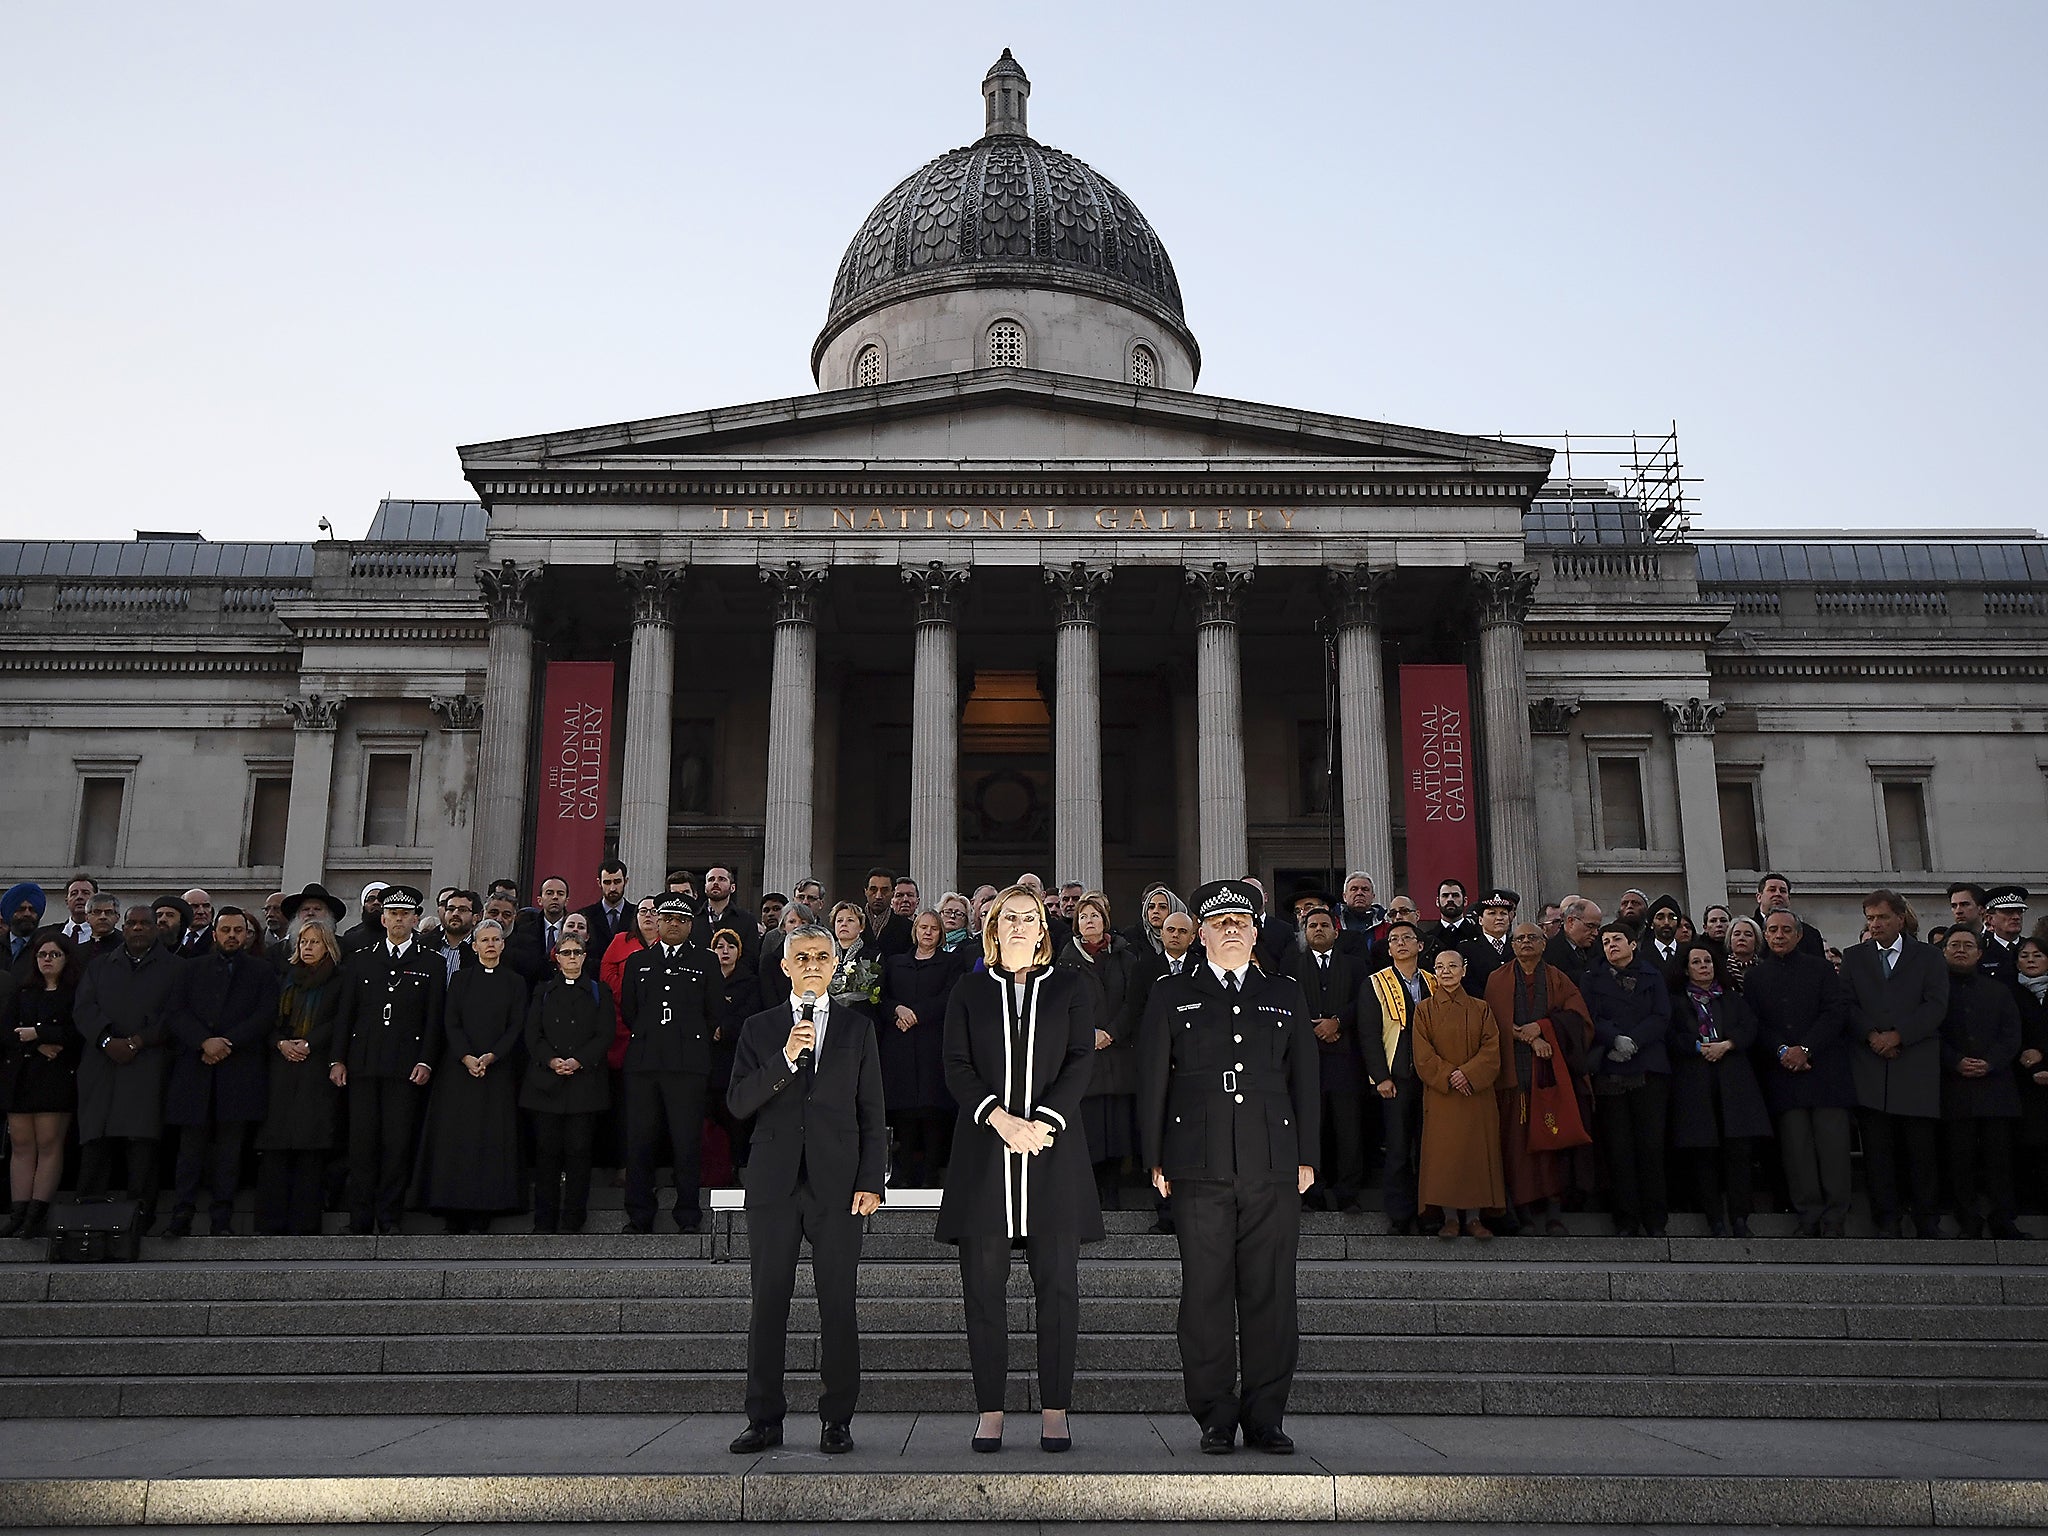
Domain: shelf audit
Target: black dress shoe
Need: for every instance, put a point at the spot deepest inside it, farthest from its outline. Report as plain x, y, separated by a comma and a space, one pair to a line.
180, 1226
692, 1221
641, 1227
1219, 1442
755, 1439
2010, 1232
1273, 1442
1739, 1227
1163, 1226
835, 1439
359, 1228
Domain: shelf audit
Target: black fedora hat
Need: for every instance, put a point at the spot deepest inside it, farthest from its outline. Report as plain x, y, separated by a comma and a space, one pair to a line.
315, 892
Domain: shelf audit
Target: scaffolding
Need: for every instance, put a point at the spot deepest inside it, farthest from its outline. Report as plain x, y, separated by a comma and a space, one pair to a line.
1635, 472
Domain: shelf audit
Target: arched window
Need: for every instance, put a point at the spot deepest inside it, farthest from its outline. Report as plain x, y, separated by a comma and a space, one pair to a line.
1006, 345
1144, 366
867, 367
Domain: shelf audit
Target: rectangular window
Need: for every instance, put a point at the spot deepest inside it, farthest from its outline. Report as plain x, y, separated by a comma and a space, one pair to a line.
1905, 825
1742, 845
99, 822
269, 805
1621, 803
387, 800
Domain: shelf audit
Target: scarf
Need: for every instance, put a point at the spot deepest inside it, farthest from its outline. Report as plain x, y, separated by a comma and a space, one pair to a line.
300, 1001
1532, 995
955, 937
2038, 985
1702, 999
1095, 947
1393, 995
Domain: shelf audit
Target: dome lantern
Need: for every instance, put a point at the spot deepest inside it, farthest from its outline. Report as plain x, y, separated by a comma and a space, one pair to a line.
1004, 90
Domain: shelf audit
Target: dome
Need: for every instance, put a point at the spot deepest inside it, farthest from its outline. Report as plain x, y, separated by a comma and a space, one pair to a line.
1009, 212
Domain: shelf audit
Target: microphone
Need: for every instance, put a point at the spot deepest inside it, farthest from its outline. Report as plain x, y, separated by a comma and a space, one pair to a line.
804, 1056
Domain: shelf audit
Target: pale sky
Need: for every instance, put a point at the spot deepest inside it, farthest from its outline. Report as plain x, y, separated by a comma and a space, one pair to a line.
264, 263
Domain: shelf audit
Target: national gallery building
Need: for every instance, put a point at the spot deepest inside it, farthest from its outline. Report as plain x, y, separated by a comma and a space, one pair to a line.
1008, 593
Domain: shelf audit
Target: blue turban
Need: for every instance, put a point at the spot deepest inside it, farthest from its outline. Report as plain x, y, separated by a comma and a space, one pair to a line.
28, 891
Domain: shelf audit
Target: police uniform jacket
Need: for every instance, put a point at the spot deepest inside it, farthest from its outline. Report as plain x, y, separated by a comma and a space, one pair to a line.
1482, 960
668, 1000
2000, 961
390, 1019
1035, 1061
1228, 1086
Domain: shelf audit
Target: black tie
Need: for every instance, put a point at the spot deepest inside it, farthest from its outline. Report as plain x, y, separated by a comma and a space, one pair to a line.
1230, 982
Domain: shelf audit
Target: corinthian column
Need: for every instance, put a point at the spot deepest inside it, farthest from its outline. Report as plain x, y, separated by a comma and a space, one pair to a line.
1219, 724
792, 722
508, 722
1362, 722
1699, 800
1077, 724
314, 718
650, 690
935, 731
1505, 595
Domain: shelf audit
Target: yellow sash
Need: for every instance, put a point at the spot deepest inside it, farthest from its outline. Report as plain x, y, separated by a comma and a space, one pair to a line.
1393, 996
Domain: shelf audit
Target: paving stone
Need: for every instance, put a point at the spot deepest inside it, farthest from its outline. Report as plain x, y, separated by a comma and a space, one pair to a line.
2027, 1287
1634, 1319
22, 1284
186, 1357
1891, 1358
1815, 1284
1700, 1397
505, 1497
387, 1319
1989, 1501
266, 1395
1823, 1250
1618, 1500
1253, 1493
1994, 1400
61, 1398
81, 1501
566, 1354
51, 1319
1921, 1322
230, 1282
880, 1392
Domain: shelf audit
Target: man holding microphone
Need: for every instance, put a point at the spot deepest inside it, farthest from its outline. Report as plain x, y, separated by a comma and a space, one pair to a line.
810, 1074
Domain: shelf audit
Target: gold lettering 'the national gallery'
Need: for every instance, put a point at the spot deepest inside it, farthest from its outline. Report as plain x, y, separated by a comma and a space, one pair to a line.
1145, 520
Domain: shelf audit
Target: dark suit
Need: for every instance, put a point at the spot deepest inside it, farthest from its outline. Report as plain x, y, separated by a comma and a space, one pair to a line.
1228, 1107
603, 930
1401, 1115
1329, 990
1899, 1101
819, 1136
231, 997
894, 937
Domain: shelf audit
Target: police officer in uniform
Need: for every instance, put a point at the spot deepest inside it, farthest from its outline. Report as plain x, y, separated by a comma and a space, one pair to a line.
666, 996
1229, 1119
2005, 916
388, 1030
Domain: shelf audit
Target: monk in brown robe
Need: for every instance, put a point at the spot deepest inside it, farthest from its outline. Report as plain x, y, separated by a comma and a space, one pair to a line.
1541, 1018
1457, 1056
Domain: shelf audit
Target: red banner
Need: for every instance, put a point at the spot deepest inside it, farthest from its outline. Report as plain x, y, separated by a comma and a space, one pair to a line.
576, 742
1436, 759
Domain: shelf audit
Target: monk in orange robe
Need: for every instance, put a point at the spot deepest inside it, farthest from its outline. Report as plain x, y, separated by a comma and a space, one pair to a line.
1457, 1056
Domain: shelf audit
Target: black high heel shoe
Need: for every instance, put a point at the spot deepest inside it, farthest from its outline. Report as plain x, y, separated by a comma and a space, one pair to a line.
1056, 1443
986, 1443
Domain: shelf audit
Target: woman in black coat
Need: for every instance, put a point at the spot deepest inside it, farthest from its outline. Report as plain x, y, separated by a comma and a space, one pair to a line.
39, 1079
2030, 993
1717, 1106
911, 1037
1109, 1114
468, 1166
568, 1028
297, 1137
739, 999
1980, 1102
1020, 1044
1630, 1005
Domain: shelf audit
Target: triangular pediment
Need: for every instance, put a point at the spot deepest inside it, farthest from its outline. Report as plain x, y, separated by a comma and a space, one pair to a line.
1004, 416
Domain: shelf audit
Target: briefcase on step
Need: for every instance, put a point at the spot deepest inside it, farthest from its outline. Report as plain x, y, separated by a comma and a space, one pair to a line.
95, 1231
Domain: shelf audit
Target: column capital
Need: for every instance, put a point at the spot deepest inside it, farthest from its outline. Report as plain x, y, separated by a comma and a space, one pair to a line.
508, 590
1694, 716
1356, 592
938, 590
1077, 591
655, 587
458, 711
316, 711
1219, 592
1505, 593
1551, 716
798, 589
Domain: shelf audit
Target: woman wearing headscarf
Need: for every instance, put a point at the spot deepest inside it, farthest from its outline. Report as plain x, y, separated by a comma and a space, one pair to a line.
468, 1167
1154, 908
1019, 1043
297, 1138
1109, 1111
1718, 1112
911, 1039
566, 1087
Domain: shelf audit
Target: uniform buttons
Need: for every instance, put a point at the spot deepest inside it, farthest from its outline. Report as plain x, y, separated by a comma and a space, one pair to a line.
1284, 1122
1238, 1038
1235, 1009
1176, 1119
1238, 1068
1240, 1098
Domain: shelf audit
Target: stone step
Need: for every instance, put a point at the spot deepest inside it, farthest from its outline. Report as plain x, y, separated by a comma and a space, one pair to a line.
1417, 1278
1130, 1316
584, 1354
1369, 1393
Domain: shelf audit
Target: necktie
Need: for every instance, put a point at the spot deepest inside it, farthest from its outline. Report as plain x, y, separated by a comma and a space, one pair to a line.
1891, 958
1230, 982
554, 935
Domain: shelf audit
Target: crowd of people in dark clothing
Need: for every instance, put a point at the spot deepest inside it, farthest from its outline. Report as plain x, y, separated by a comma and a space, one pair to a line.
480, 1054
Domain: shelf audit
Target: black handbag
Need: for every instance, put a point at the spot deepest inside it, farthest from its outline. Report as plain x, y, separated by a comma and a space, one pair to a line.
102, 1231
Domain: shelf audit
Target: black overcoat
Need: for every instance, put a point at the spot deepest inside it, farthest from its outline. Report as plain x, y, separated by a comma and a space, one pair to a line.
1713, 1101
1110, 977
2033, 1095
1984, 1022
1035, 1063
573, 1020
914, 1060
469, 1148
30, 1082
133, 998
1799, 1000
233, 997
300, 1116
